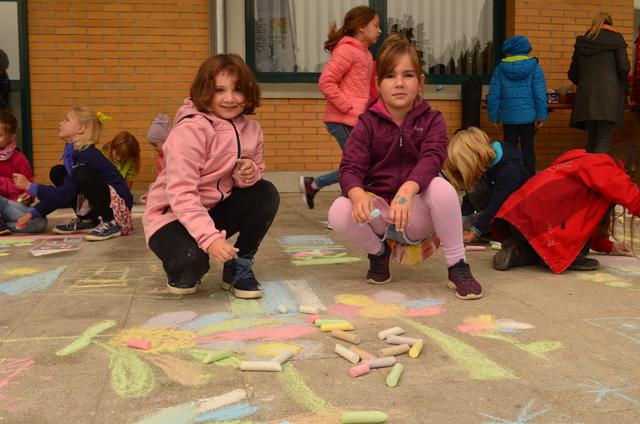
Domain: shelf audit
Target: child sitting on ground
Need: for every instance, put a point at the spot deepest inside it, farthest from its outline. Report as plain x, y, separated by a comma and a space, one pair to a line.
13, 161
489, 172
86, 175
124, 153
395, 152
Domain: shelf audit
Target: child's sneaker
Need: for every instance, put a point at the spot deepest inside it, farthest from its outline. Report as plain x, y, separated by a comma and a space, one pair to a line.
76, 225
379, 267
307, 190
104, 231
513, 253
461, 279
181, 287
4, 230
238, 277
582, 263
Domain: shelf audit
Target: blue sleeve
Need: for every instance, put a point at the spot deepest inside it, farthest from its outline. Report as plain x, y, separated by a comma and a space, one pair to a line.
495, 96
540, 94
52, 198
507, 180
467, 208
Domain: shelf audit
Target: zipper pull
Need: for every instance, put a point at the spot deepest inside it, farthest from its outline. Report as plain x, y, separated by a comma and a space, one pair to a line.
401, 144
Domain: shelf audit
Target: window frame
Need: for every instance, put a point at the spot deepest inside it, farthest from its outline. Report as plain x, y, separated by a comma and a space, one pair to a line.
381, 7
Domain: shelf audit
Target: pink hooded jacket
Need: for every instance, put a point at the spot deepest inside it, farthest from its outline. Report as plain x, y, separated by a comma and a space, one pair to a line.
346, 81
200, 171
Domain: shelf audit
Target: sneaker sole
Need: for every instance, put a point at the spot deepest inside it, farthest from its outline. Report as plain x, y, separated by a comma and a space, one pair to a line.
378, 283
303, 190
5, 232
178, 290
58, 231
242, 294
98, 238
470, 296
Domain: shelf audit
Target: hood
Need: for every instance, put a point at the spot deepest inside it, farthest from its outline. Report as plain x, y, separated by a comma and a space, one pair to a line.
347, 39
606, 40
518, 69
516, 45
506, 152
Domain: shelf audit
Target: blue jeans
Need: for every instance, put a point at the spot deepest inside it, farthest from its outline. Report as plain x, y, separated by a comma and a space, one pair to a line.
10, 211
341, 133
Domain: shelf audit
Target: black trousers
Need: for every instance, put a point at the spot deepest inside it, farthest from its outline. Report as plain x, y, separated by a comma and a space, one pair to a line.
94, 190
524, 134
599, 135
247, 211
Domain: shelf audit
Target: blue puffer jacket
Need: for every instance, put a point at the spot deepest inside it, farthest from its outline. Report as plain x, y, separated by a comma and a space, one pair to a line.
518, 92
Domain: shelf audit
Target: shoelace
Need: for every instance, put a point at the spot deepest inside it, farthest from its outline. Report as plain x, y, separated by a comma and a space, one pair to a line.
74, 223
242, 268
104, 225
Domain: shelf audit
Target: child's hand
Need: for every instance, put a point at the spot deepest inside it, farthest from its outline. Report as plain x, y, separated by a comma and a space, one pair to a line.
361, 210
539, 123
246, 170
24, 198
222, 251
621, 249
469, 236
23, 221
400, 210
21, 181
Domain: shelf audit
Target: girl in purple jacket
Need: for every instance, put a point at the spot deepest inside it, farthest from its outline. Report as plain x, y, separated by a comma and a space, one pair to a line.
394, 154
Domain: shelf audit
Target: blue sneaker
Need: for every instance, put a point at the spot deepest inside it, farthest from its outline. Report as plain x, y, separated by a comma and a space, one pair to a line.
238, 278
104, 231
76, 225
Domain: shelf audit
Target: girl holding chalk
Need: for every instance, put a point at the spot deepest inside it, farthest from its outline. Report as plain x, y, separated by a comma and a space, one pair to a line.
395, 152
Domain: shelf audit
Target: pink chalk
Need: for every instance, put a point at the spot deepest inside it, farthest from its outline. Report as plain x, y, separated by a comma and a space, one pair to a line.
359, 370
139, 344
475, 248
312, 318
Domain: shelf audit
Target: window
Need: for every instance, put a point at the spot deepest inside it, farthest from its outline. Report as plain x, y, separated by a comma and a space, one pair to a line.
285, 38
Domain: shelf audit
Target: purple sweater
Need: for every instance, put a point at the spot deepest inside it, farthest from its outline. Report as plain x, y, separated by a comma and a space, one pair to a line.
380, 156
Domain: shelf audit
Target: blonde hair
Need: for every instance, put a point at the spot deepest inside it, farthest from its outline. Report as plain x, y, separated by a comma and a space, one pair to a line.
469, 155
602, 18
92, 125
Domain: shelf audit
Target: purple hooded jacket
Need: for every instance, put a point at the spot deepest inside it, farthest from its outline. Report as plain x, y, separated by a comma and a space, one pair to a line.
380, 156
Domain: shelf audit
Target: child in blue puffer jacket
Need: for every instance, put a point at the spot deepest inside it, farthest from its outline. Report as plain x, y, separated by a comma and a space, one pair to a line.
518, 97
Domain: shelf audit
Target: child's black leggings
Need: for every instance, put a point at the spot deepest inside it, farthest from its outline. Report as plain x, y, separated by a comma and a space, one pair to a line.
94, 190
247, 211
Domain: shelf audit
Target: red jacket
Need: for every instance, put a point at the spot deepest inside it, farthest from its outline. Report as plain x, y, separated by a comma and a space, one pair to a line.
19, 164
559, 209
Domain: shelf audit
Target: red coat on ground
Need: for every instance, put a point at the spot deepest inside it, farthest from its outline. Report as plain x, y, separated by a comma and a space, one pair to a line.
559, 209
19, 164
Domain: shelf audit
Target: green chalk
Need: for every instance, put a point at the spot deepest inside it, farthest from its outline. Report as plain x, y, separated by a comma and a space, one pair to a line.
495, 245
216, 356
319, 322
394, 375
355, 417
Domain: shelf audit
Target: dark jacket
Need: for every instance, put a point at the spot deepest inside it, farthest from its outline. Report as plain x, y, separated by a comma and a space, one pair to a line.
505, 175
380, 156
52, 198
558, 210
599, 68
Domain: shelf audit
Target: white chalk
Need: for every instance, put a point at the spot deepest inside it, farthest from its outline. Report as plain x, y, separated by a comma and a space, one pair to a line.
387, 361
472, 248
260, 366
283, 356
347, 354
343, 335
311, 310
362, 353
395, 331
282, 308
394, 350
398, 340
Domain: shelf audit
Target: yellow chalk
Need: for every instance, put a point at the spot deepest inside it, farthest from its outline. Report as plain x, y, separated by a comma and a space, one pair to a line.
344, 326
415, 350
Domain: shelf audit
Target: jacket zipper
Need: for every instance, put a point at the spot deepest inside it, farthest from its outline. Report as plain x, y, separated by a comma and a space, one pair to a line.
401, 159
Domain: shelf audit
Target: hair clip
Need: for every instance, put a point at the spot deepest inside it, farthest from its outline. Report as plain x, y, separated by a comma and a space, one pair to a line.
103, 117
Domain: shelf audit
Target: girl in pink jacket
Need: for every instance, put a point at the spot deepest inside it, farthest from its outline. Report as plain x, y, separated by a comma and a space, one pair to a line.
346, 84
211, 186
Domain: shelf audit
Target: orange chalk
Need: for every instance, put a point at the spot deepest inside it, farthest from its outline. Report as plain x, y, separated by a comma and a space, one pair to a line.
139, 344
358, 370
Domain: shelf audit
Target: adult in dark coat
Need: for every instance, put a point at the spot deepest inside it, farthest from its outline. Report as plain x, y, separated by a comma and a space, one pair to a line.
599, 68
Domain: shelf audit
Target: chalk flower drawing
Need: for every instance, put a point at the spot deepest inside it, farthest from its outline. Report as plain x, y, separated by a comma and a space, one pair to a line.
385, 304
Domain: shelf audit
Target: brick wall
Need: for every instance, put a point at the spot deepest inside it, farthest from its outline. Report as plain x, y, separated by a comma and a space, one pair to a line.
131, 59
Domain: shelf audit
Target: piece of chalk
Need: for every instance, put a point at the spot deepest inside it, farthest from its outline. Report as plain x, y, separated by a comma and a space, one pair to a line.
362, 353
347, 354
355, 417
343, 335
344, 326
260, 366
397, 340
139, 344
358, 370
496, 245
394, 375
313, 318
311, 310
216, 356
472, 248
282, 308
394, 350
283, 356
387, 361
375, 213
415, 350
395, 331
319, 322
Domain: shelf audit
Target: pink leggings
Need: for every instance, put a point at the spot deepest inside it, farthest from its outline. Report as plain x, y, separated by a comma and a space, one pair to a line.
435, 209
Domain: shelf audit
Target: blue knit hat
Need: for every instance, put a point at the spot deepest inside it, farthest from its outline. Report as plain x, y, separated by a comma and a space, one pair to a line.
516, 45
